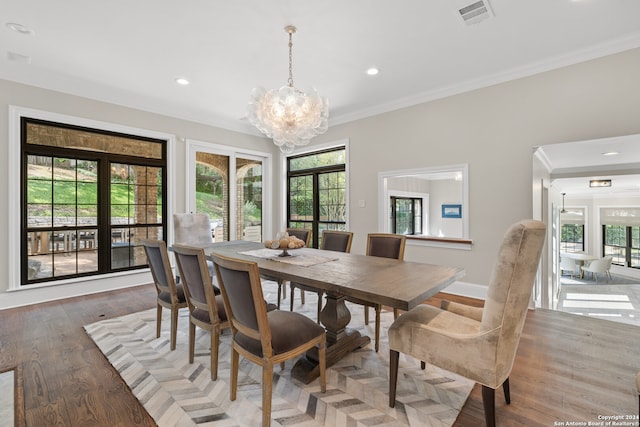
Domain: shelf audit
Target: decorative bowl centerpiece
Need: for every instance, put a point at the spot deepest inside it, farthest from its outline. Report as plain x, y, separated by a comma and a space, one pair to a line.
284, 242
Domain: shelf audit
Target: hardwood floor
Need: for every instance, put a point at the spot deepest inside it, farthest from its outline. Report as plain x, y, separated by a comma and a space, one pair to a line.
568, 368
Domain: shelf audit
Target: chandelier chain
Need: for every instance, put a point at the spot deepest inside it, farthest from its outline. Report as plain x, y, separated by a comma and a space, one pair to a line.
290, 80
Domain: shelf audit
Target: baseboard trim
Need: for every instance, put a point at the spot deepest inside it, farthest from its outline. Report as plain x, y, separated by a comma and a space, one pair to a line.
468, 290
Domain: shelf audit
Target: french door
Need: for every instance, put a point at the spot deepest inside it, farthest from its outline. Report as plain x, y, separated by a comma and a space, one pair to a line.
229, 187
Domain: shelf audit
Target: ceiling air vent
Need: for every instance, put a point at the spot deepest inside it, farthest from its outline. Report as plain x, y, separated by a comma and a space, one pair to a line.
475, 12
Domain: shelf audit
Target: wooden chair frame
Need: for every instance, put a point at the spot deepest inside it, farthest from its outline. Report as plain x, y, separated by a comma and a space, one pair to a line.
170, 286
262, 334
215, 326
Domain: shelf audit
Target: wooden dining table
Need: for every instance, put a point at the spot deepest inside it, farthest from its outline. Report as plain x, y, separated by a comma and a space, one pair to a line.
389, 282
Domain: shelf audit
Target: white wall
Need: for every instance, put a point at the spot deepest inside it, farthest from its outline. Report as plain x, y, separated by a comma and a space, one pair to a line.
493, 130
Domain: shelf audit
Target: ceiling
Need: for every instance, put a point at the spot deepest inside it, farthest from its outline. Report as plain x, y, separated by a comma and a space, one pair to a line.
574, 164
130, 52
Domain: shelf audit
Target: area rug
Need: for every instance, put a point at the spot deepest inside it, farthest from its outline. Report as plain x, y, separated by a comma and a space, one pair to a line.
176, 393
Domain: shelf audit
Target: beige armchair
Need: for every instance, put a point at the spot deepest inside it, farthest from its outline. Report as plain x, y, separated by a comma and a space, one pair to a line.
479, 344
194, 229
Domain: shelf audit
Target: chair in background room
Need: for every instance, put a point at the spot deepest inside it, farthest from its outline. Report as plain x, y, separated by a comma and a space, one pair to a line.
194, 229
567, 264
264, 338
206, 310
383, 245
332, 240
305, 236
170, 295
602, 265
477, 343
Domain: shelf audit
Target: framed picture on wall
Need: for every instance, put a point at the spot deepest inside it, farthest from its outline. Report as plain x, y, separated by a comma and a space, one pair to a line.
451, 211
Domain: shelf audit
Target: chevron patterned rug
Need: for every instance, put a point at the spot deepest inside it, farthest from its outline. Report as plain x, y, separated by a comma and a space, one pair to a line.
176, 393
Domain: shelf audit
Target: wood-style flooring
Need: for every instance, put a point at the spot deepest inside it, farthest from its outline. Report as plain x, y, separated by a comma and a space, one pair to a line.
568, 368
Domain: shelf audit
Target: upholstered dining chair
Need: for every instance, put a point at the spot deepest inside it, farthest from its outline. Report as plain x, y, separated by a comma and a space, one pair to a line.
476, 343
302, 234
264, 338
206, 310
383, 245
602, 265
194, 229
332, 240
170, 295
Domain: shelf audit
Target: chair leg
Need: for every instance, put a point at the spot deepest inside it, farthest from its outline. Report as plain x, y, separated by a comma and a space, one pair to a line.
322, 362
284, 288
215, 341
377, 344
192, 340
393, 376
301, 296
319, 306
366, 315
396, 313
235, 357
423, 365
280, 291
267, 385
174, 326
489, 403
291, 293
158, 320
506, 390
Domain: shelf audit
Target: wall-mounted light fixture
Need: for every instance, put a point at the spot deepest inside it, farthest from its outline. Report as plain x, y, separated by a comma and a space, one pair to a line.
596, 183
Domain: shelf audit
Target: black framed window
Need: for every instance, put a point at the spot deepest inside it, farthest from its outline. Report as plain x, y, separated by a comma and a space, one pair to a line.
88, 197
622, 243
317, 192
406, 215
572, 238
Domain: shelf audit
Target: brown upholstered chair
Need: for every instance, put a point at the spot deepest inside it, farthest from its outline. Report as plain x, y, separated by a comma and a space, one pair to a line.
332, 240
170, 295
477, 343
302, 234
205, 308
383, 245
264, 338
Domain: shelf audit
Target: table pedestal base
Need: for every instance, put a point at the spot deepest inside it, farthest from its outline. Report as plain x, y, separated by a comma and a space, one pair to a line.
307, 369
335, 316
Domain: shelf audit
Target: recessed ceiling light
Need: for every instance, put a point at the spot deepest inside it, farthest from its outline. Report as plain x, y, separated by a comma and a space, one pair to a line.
596, 183
372, 71
610, 153
182, 81
19, 28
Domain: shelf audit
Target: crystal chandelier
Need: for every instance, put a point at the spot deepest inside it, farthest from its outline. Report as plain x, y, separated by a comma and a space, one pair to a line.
288, 115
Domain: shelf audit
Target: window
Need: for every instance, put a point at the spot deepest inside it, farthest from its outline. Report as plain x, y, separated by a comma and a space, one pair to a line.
406, 215
88, 196
622, 243
572, 238
317, 192
412, 202
621, 235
